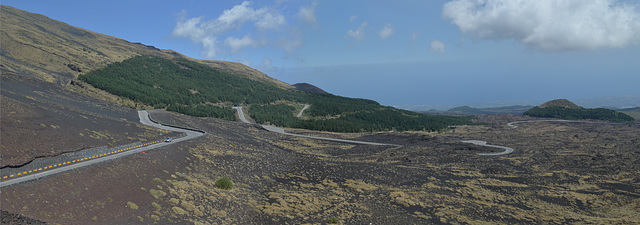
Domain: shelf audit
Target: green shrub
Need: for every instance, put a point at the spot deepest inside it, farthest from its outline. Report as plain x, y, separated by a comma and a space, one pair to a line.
132, 205
224, 183
333, 220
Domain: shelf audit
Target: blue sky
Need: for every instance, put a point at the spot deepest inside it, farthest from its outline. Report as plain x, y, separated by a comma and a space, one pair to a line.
407, 53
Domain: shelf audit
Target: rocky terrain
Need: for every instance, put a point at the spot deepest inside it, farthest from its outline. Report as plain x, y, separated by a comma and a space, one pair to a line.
559, 173
41, 119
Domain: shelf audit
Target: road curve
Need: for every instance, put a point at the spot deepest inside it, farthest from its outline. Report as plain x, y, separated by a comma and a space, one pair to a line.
241, 114
144, 119
506, 151
301, 111
282, 131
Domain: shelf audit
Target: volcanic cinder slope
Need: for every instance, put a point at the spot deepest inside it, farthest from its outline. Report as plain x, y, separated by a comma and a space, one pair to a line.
580, 173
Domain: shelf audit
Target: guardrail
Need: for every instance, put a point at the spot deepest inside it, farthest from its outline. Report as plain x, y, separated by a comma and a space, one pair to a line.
43, 164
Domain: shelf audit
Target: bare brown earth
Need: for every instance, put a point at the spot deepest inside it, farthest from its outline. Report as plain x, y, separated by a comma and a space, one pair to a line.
40, 119
560, 173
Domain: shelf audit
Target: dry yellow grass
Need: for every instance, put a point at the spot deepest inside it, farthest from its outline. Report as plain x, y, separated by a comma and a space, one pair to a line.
54, 51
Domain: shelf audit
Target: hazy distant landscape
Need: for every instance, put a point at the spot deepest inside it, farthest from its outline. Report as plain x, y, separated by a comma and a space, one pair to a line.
319, 112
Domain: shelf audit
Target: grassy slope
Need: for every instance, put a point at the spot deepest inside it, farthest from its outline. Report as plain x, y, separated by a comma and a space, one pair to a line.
38, 46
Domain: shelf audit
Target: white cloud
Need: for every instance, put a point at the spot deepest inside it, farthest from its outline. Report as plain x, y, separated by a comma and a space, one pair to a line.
386, 31
210, 49
358, 33
207, 32
437, 46
238, 44
549, 24
267, 66
239, 14
352, 18
271, 21
308, 13
189, 28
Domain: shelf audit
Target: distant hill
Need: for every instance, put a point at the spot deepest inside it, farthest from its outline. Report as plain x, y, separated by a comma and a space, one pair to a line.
560, 103
633, 112
309, 88
609, 102
565, 109
468, 110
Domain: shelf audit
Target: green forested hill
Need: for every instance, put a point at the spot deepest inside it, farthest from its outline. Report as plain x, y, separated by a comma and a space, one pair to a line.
633, 112
195, 89
564, 109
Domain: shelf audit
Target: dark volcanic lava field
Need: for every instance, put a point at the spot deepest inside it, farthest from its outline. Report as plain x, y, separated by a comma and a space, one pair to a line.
580, 173
41, 119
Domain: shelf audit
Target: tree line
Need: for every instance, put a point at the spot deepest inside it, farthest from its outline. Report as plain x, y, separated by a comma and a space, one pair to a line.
192, 88
577, 114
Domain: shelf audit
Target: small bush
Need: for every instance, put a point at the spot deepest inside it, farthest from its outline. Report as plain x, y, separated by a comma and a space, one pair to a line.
333, 220
156, 205
224, 183
157, 193
132, 205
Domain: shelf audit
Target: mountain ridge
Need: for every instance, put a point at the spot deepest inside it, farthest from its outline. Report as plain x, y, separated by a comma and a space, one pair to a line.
38, 46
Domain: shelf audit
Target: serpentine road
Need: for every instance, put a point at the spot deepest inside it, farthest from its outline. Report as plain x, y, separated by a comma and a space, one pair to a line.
144, 119
282, 131
507, 150
301, 111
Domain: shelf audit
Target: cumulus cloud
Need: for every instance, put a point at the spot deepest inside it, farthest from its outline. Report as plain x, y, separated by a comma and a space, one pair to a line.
386, 31
437, 46
308, 14
352, 18
237, 44
549, 24
271, 21
358, 34
267, 65
207, 32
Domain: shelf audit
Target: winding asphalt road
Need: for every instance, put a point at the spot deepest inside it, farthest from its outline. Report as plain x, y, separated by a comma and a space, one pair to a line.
282, 131
506, 151
144, 119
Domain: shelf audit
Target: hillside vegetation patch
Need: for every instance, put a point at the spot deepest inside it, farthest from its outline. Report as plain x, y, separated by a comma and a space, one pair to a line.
564, 109
171, 85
